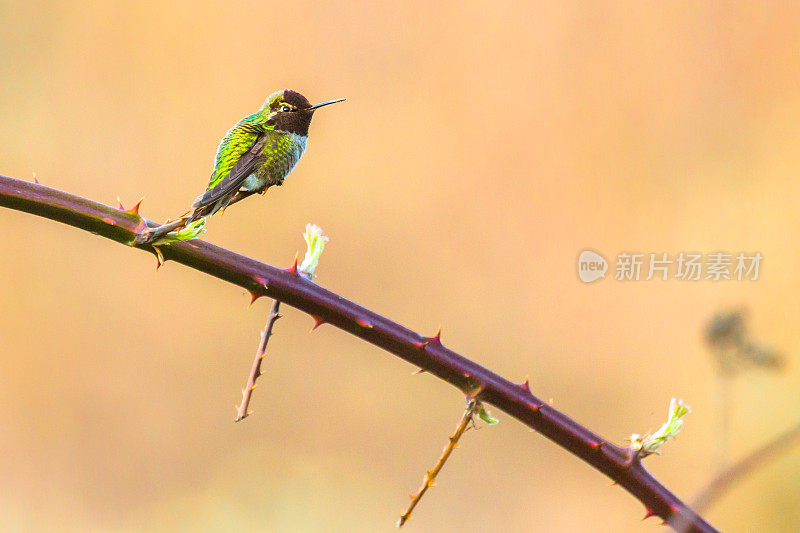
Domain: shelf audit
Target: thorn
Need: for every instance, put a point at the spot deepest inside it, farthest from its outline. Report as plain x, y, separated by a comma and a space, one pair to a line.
421, 345
648, 513
437, 339
535, 406
121, 207
418, 371
293, 269
159, 257
262, 282
253, 297
134, 211
363, 323
35, 180
526, 385
318, 321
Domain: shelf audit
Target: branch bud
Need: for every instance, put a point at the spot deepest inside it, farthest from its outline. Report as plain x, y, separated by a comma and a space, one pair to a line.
650, 442
191, 231
315, 241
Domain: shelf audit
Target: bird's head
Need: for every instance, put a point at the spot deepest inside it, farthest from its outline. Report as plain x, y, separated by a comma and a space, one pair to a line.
290, 111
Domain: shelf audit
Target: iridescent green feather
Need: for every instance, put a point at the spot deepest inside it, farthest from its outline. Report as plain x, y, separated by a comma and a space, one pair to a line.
235, 144
239, 138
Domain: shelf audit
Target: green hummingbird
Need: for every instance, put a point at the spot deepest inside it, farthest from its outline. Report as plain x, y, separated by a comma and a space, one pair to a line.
258, 152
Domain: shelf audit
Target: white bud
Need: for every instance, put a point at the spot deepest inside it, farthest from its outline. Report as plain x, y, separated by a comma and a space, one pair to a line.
315, 241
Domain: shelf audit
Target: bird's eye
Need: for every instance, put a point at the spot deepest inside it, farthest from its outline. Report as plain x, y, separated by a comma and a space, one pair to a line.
285, 108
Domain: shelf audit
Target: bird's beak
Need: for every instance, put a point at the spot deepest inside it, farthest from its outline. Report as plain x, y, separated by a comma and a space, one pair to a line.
329, 102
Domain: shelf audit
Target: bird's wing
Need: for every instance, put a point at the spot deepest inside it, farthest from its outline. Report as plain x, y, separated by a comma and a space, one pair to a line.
236, 159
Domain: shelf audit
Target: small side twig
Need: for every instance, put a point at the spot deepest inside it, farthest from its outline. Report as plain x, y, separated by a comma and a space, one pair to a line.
452, 444
255, 371
315, 241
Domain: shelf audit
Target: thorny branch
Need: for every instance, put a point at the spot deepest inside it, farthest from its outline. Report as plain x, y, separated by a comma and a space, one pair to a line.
255, 371
618, 463
452, 444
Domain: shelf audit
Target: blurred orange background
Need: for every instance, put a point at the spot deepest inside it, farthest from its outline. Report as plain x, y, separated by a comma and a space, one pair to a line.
482, 147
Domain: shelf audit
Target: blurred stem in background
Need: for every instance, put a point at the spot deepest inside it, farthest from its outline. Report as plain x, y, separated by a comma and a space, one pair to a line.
735, 353
724, 403
745, 466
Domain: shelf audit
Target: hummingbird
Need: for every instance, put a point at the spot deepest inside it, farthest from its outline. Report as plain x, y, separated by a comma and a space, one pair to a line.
258, 152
